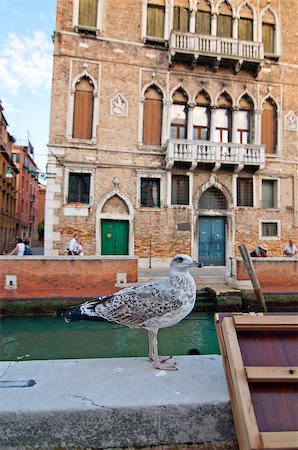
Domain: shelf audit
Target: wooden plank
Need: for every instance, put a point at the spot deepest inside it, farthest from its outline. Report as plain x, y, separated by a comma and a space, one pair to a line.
245, 409
272, 374
253, 276
278, 439
239, 425
266, 322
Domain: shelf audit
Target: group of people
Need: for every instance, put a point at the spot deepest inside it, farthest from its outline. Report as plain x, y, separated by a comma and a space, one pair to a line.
290, 250
75, 246
21, 248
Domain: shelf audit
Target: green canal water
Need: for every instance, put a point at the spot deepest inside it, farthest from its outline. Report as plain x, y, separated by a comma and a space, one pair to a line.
31, 338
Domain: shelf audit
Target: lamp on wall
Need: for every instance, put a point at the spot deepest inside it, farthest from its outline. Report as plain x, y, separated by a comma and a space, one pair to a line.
9, 174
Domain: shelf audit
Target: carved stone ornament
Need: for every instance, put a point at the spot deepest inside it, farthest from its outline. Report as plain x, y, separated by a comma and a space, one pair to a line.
291, 122
119, 106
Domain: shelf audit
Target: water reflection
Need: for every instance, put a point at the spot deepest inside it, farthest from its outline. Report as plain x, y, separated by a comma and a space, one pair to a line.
33, 338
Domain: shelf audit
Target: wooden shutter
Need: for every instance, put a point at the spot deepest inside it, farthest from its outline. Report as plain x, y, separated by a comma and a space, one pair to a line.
181, 19
152, 117
269, 127
224, 21
83, 110
88, 13
155, 21
268, 37
245, 32
203, 22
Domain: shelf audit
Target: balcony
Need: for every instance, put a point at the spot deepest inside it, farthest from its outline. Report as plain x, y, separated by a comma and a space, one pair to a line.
216, 51
187, 154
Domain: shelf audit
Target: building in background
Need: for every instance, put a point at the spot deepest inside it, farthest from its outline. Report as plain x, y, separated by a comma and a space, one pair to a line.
8, 187
41, 211
27, 192
173, 127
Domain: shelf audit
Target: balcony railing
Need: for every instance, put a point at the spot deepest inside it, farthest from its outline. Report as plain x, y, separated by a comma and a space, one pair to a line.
195, 152
219, 47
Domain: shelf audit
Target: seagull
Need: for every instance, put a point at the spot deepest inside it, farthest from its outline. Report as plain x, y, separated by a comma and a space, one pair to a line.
151, 306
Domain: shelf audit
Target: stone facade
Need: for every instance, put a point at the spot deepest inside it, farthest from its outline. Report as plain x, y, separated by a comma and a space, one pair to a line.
121, 63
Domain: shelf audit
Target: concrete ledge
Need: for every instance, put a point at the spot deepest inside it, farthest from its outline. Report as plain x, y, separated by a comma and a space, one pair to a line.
121, 402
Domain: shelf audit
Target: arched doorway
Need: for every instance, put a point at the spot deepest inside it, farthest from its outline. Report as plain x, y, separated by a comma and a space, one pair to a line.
212, 228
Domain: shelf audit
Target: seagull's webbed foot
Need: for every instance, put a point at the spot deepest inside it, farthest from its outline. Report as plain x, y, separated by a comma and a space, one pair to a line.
164, 364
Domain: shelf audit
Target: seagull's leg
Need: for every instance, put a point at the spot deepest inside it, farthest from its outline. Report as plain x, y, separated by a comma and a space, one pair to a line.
150, 338
160, 363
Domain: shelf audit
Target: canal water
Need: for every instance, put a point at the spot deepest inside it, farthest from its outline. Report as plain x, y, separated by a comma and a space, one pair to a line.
31, 338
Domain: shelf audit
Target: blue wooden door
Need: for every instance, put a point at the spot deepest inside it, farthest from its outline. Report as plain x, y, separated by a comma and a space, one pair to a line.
212, 240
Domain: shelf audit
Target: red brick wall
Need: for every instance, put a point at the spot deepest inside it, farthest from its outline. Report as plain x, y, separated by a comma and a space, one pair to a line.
64, 277
274, 274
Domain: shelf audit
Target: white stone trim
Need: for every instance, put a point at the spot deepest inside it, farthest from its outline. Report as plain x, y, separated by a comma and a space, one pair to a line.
152, 174
80, 168
99, 20
110, 216
270, 238
277, 180
70, 110
169, 188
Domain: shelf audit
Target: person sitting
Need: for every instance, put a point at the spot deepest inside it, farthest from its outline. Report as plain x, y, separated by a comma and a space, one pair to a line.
290, 249
260, 251
28, 250
19, 248
73, 248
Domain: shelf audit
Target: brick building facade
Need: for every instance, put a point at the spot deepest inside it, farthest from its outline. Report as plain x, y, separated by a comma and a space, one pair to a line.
173, 127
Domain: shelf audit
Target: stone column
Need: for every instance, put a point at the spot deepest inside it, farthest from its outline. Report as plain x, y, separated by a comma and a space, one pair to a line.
212, 123
213, 24
234, 125
190, 122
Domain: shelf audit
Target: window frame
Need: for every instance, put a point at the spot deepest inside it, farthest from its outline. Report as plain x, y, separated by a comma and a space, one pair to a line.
80, 176
269, 238
252, 192
99, 24
174, 176
158, 182
276, 193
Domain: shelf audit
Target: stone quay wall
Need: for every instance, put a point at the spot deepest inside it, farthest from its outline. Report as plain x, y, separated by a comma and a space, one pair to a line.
39, 277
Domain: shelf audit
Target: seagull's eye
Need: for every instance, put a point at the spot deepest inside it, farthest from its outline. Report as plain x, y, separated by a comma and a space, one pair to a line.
179, 260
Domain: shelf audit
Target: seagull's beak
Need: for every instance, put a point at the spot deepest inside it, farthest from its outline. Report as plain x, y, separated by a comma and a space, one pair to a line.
197, 264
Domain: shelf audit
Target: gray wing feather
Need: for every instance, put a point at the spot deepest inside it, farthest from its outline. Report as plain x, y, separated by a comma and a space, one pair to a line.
135, 305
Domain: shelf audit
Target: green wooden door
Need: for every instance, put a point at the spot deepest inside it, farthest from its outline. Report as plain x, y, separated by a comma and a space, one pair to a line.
114, 237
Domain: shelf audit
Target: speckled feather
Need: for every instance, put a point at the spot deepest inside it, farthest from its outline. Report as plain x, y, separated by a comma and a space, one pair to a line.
151, 305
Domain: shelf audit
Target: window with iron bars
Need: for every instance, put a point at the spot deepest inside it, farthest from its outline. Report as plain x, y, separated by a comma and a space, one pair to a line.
180, 190
244, 192
269, 229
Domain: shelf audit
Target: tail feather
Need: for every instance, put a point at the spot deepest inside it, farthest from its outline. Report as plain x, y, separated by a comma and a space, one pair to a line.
75, 314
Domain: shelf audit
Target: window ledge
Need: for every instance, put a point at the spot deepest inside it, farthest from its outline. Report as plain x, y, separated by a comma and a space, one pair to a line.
151, 208
82, 141
274, 209
76, 209
180, 206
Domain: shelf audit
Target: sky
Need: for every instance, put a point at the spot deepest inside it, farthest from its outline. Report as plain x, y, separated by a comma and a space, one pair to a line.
26, 58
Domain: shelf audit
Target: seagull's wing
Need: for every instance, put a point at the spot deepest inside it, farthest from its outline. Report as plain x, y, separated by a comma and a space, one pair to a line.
135, 305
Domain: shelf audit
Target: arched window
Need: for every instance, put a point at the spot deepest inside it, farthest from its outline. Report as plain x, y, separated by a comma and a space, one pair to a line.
201, 117
152, 117
269, 126
83, 109
88, 13
268, 32
203, 18
244, 121
225, 21
245, 24
155, 18
213, 198
181, 17
179, 115
223, 119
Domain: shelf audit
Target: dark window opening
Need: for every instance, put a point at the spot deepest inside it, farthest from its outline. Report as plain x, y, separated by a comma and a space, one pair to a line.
79, 188
150, 192
244, 192
213, 199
